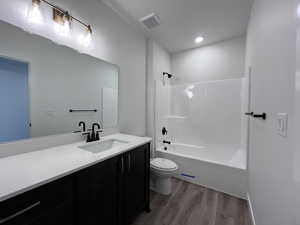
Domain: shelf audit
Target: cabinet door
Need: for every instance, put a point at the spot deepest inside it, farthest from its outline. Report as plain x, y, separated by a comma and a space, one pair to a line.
137, 182
96, 194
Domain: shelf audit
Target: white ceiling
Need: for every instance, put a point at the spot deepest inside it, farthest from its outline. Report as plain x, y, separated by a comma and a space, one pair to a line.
183, 20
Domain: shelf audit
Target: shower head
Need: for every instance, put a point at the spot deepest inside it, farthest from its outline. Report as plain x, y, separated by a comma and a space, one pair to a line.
167, 74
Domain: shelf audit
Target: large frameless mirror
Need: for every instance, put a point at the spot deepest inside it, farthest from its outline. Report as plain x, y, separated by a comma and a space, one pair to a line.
47, 89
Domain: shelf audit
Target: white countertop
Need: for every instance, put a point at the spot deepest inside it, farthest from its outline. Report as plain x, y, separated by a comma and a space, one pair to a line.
20, 173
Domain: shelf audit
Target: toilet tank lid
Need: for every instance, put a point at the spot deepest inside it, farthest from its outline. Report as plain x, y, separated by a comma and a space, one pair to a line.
163, 163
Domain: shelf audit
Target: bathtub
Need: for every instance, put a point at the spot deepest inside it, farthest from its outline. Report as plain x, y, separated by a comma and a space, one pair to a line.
218, 167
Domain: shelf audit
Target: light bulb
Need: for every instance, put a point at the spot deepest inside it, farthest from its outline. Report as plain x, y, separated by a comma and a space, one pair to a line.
63, 29
34, 13
86, 39
66, 28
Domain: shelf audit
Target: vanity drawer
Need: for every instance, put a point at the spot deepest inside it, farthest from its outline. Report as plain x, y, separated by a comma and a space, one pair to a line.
61, 215
30, 206
21, 209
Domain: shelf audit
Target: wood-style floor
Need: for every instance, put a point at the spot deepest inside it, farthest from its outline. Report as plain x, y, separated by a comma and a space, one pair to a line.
190, 204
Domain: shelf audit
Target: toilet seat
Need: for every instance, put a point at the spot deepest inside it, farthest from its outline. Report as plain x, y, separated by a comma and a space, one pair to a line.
163, 164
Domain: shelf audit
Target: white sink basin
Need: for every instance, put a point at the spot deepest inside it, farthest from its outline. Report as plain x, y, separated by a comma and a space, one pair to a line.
102, 146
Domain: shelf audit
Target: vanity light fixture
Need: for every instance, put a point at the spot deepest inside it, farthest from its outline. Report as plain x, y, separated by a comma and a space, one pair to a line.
63, 20
34, 13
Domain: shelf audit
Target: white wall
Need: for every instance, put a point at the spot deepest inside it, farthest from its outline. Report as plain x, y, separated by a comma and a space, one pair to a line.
158, 61
271, 54
296, 128
218, 61
113, 41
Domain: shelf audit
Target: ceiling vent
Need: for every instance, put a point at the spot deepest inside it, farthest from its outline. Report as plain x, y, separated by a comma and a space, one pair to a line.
151, 21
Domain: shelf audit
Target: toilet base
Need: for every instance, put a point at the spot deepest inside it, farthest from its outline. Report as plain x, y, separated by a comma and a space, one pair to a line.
161, 185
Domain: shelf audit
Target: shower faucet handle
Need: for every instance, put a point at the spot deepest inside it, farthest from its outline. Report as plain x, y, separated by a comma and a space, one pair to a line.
166, 142
164, 131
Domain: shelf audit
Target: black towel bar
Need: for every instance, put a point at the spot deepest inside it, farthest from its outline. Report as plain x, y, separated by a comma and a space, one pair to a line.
83, 110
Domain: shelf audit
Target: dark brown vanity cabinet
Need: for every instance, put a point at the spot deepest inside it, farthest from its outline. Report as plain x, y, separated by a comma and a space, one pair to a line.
97, 194
47, 205
111, 192
135, 188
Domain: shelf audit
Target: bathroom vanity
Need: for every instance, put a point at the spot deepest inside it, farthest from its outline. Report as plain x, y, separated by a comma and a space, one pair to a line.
48, 175
70, 185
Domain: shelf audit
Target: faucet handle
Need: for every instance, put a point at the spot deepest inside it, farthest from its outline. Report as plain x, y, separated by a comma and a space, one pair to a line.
77, 131
164, 131
97, 137
97, 134
88, 139
166, 142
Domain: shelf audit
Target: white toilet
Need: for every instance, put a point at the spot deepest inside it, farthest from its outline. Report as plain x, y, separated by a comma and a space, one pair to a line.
161, 172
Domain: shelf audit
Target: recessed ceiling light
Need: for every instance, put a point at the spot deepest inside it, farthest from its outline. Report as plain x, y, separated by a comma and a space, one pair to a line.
199, 39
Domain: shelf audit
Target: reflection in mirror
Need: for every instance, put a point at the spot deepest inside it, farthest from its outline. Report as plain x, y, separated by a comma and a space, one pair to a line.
47, 89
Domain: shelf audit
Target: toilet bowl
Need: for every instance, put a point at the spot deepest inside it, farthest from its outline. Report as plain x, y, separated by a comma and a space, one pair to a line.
161, 172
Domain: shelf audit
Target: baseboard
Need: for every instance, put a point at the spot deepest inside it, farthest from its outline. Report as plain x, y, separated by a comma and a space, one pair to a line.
251, 209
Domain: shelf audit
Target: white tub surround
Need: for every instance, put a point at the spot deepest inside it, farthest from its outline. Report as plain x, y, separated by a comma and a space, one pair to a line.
23, 172
206, 126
